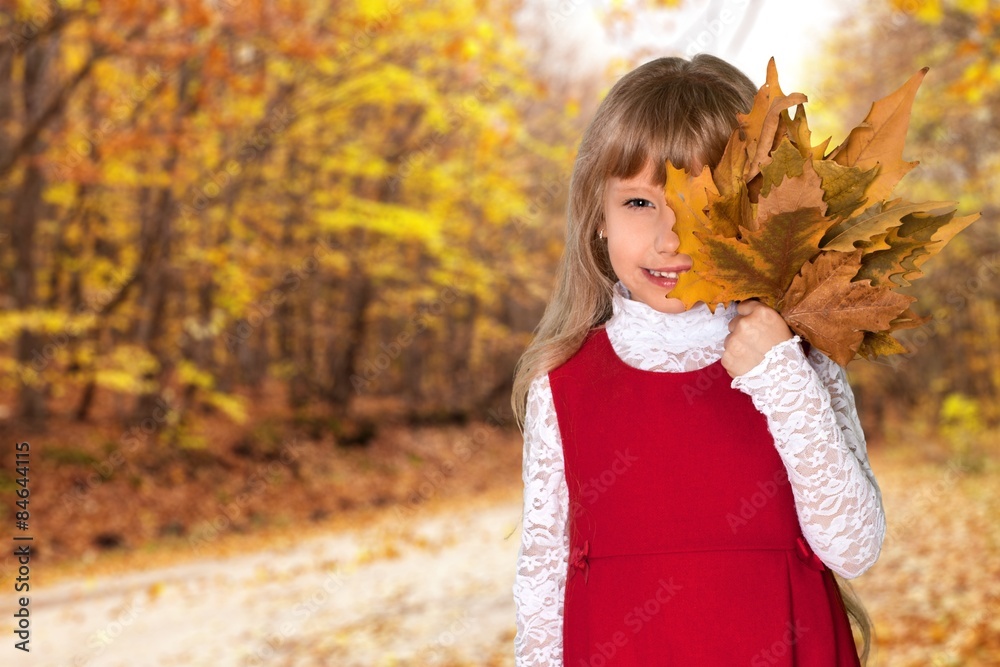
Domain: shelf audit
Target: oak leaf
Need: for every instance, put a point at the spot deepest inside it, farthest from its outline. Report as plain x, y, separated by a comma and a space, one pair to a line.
876, 219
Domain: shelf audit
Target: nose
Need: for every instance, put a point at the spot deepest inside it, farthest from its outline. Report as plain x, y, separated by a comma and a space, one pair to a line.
667, 241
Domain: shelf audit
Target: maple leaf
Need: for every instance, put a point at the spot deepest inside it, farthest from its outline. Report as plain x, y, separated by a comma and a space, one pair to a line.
761, 124
878, 140
688, 198
814, 236
797, 130
832, 311
786, 233
746, 152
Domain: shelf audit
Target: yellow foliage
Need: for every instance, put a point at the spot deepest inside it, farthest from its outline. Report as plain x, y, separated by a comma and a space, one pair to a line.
232, 406
188, 373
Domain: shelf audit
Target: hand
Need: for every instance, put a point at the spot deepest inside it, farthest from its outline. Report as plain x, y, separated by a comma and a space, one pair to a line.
755, 330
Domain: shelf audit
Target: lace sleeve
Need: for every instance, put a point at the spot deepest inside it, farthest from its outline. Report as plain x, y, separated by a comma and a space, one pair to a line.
540, 581
811, 414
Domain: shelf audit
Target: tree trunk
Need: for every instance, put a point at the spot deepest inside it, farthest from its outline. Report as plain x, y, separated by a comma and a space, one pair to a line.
343, 354
157, 277
28, 209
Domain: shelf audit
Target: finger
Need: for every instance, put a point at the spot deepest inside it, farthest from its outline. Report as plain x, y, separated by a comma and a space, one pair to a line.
747, 307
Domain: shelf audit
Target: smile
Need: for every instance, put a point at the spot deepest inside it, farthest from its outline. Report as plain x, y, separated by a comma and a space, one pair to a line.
665, 277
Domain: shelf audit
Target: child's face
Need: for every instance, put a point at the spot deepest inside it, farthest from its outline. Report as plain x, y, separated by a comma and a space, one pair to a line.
639, 228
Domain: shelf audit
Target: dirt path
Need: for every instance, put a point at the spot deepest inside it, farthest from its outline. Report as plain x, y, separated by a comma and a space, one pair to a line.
434, 589
430, 589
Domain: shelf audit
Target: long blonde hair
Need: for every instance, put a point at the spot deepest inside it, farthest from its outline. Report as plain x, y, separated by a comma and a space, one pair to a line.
667, 109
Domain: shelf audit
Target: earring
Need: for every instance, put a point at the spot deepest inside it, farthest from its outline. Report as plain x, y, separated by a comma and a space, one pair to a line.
600, 233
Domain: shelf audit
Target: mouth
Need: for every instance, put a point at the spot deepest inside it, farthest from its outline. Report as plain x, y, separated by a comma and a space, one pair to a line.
665, 277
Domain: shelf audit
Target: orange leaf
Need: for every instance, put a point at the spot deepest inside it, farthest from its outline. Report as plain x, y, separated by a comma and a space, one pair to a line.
760, 125
789, 226
688, 197
833, 313
879, 140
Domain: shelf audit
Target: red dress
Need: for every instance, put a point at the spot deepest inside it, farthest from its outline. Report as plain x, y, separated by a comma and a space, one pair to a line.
685, 546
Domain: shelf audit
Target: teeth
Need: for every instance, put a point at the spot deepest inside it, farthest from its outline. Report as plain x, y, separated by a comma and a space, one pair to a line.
662, 274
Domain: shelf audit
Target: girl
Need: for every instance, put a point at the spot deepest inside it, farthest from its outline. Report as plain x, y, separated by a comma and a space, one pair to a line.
672, 515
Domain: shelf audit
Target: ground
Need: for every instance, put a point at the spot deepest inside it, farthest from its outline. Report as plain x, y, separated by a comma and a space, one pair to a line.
422, 575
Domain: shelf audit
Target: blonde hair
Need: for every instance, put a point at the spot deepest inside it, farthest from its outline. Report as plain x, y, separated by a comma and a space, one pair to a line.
667, 109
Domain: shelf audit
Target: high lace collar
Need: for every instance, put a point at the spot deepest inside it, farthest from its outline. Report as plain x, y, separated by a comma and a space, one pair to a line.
648, 339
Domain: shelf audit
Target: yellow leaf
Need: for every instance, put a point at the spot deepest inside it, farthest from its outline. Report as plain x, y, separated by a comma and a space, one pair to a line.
687, 197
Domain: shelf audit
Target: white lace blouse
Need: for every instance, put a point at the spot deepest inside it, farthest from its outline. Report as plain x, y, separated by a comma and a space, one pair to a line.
810, 412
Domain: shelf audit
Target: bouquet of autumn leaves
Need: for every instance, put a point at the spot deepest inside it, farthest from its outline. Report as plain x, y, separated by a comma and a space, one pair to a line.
813, 235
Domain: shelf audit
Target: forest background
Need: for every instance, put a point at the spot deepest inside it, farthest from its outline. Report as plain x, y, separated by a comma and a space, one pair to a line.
271, 263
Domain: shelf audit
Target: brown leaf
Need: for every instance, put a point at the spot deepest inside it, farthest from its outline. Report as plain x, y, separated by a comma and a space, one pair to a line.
824, 306
920, 236
790, 223
777, 219
785, 162
797, 131
760, 124
908, 320
879, 140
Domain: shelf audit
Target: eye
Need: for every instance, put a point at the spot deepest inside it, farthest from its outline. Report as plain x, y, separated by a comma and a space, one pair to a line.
637, 202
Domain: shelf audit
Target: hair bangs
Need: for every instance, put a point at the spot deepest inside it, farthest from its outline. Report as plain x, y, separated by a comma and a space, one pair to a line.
653, 130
